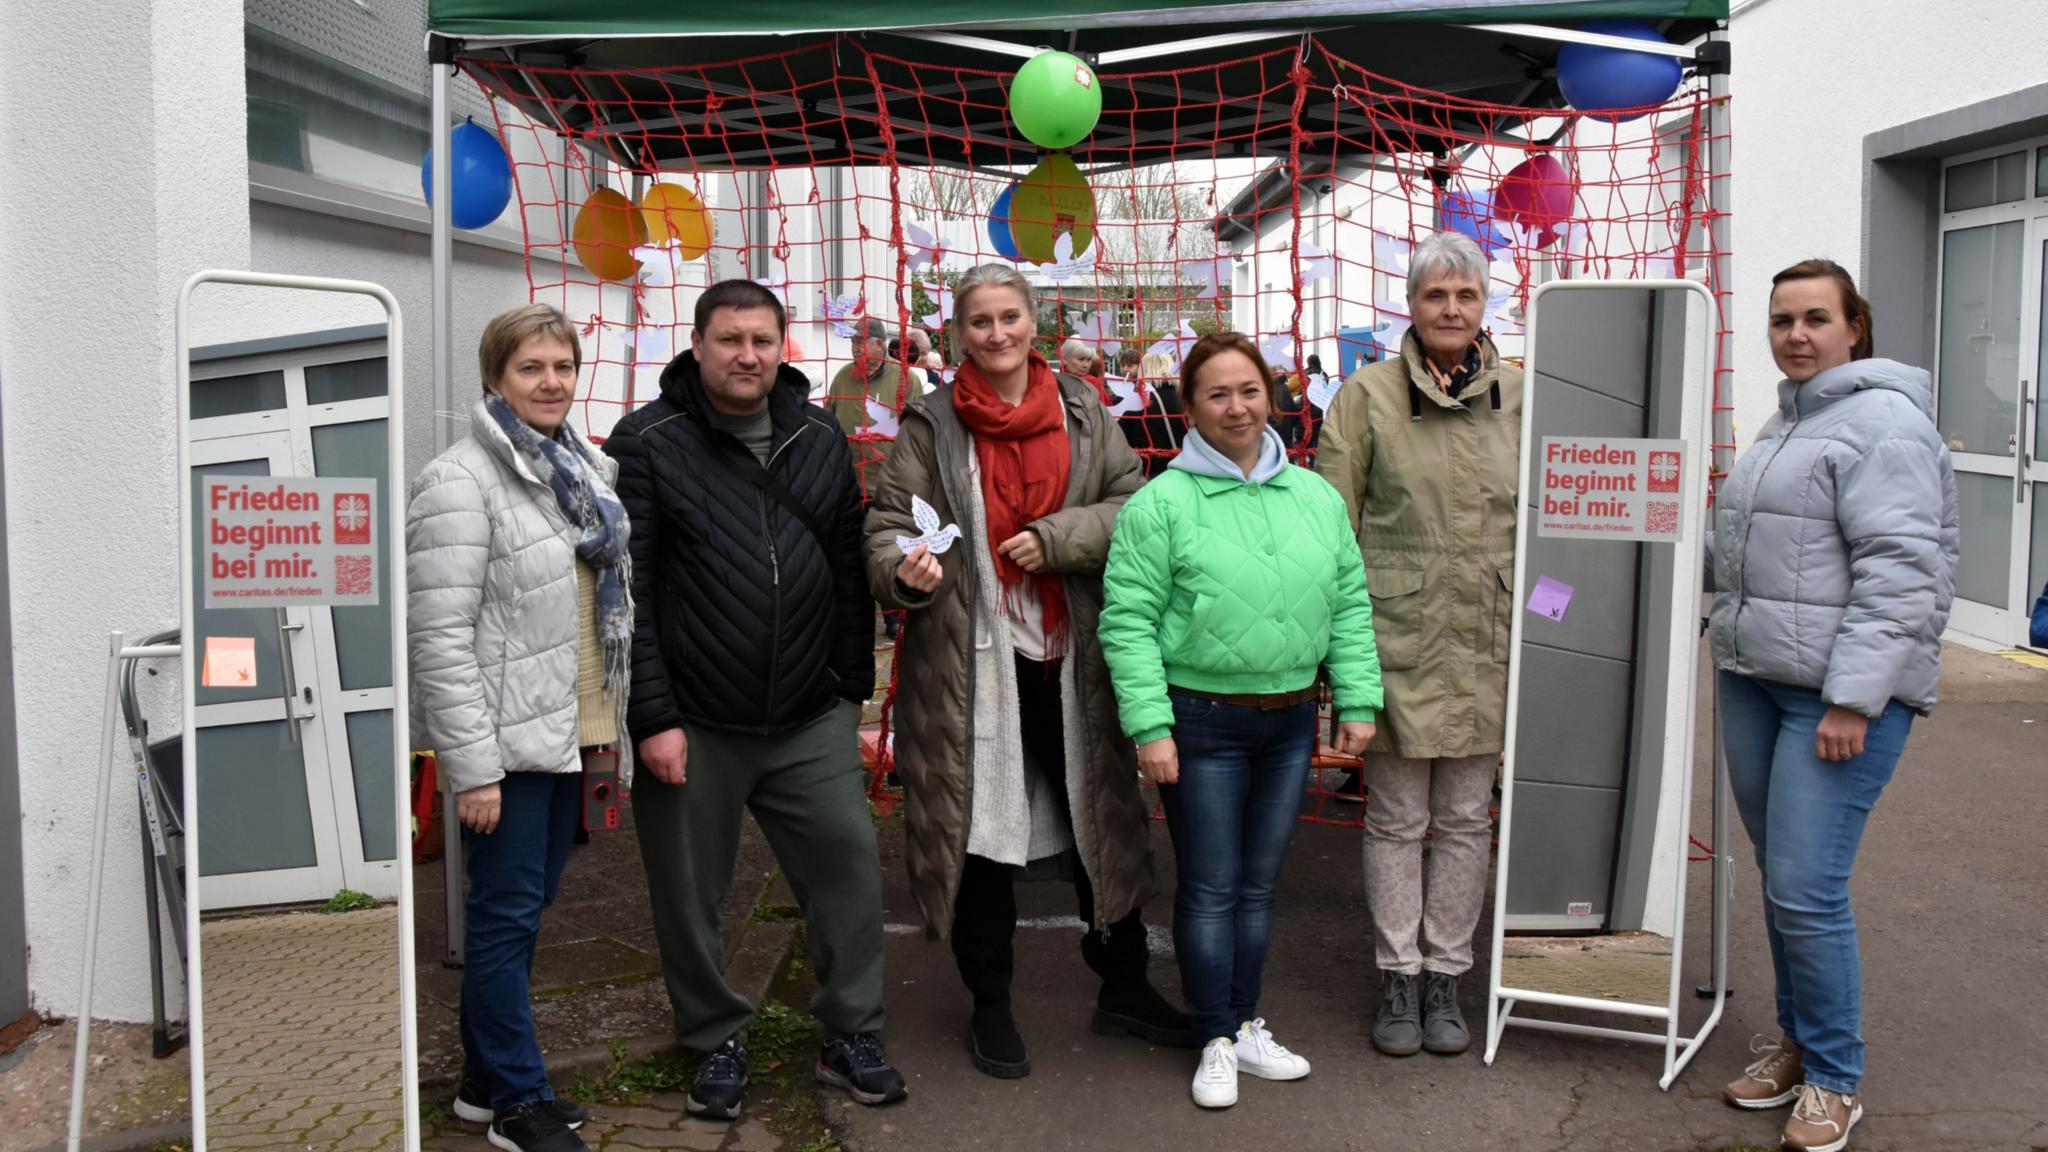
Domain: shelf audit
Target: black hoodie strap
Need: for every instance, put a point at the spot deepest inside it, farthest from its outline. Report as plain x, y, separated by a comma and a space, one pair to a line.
739, 459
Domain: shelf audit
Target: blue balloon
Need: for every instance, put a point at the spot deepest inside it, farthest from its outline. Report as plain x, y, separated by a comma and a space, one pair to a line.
1599, 79
481, 176
1472, 214
999, 225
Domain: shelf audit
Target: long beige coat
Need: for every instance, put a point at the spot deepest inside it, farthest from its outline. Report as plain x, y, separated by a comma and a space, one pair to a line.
1431, 482
935, 659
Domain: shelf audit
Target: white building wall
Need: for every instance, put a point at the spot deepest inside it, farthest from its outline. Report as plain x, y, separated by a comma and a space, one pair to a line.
125, 171
1799, 123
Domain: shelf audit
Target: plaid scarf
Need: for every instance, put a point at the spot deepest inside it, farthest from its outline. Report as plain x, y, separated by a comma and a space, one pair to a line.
564, 464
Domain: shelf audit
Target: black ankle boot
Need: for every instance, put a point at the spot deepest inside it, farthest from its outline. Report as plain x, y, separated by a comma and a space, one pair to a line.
993, 1041
1129, 1005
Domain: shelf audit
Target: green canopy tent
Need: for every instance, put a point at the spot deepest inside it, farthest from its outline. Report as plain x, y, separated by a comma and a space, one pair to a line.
590, 68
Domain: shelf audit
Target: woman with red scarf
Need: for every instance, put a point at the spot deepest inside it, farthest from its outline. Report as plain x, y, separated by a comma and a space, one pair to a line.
1012, 760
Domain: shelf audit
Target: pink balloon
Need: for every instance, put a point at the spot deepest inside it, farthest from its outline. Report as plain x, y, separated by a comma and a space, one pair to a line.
1536, 194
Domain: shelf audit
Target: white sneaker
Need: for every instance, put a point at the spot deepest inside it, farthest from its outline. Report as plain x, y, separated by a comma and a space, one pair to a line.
1216, 1077
1258, 1054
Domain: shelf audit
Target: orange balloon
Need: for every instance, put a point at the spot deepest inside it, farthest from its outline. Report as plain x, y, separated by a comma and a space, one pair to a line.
673, 212
606, 231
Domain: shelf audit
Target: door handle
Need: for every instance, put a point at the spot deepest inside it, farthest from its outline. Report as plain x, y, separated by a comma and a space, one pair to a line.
291, 682
2020, 442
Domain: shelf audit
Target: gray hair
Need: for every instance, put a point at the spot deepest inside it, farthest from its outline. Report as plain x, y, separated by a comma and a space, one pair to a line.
1077, 351
986, 276
1445, 254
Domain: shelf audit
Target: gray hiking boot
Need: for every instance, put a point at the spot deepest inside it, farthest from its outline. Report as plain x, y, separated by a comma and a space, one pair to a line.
1397, 1030
1443, 1026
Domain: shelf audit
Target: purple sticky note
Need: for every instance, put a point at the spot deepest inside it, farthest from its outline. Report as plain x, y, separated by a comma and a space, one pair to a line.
1550, 598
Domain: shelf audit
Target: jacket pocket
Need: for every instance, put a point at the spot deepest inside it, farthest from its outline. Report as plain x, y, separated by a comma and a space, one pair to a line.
1397, 614
1504, 613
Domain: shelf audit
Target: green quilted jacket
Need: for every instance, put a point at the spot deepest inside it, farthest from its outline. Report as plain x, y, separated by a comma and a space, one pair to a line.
1221, 585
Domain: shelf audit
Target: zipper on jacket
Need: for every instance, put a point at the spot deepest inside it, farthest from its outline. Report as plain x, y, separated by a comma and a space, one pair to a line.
774, 572
1749, 522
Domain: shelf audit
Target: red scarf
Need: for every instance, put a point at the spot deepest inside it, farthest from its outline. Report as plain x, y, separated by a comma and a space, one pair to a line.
1024, 460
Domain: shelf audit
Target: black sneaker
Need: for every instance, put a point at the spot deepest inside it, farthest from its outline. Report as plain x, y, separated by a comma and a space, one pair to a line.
473, 1103
721, 1082
856, 1063
533, 1127
1443, 1026
1397, 1030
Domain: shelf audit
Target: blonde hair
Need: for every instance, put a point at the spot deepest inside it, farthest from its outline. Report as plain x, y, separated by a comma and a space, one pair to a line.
1156, 366
508, 330
986, 276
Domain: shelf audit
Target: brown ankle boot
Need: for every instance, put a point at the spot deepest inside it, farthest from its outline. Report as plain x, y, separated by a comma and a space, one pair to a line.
1772, 1081
1821, 1120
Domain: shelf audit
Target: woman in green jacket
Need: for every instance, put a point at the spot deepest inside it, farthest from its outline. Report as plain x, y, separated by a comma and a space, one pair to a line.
1232, 579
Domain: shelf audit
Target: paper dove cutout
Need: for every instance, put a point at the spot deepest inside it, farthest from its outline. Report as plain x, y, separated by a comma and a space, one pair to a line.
1095, 330
1275, 349
1391, 255
1064, 263
840, 310
1214, 272
1316, 264
882, 418
935, 539
646, 342
924, 248
1394, 323
658, 263
942, 296
1173, 345
1128, 398
1322, 390
779, 287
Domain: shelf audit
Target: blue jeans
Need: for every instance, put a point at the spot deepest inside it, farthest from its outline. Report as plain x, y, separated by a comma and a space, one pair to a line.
1805, 816
513, 874
1231, 816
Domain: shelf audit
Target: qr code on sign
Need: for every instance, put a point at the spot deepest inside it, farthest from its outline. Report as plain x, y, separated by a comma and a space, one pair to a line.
1660, 518
352, 576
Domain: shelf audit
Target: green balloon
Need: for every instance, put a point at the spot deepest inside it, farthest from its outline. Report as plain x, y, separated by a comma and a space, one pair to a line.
1055, 100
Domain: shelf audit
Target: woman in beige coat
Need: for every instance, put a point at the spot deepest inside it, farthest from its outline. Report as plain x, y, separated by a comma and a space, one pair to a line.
1424, 448
1012, 760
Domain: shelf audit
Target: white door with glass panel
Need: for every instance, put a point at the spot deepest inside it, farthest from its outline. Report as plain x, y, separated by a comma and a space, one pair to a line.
295, 774
1992, 351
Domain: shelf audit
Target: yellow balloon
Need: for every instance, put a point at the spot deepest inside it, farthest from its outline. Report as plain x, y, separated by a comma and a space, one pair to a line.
606, 231
673, 212
1052, 198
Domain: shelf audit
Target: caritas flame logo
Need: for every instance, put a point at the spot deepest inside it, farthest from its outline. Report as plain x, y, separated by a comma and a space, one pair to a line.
352, 518
1663, 471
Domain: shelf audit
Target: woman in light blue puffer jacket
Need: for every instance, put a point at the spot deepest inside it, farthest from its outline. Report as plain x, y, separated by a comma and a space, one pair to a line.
1835, 547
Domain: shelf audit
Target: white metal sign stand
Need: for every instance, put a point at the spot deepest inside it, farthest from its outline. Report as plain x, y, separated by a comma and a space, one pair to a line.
392, 526
1687, 541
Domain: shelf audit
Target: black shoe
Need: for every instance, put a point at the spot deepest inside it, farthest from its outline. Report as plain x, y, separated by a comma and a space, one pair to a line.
533, 1127
1443, 1026
1127, 1008
993, 1041
857, 1064
1351, 789
721, 1082
1129, 1005
1397, 1031
473, 1103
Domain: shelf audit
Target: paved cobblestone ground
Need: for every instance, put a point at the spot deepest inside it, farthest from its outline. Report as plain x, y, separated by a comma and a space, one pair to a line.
302, 1032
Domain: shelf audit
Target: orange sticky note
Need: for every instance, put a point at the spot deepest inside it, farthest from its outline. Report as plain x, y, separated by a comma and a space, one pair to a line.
230, 662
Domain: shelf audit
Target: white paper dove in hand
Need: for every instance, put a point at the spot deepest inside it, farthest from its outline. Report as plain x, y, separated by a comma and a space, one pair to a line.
934, 538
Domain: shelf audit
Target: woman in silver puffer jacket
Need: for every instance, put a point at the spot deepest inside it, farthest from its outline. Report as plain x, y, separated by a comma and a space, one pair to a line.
520, 620
1835, 547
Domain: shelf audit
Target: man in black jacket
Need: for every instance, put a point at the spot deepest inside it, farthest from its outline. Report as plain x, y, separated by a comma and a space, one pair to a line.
752, 654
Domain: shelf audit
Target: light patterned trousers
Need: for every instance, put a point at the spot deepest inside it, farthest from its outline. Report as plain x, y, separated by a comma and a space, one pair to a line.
1449, 797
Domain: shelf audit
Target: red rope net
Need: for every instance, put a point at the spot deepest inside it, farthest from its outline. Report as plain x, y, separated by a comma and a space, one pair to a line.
1280, 199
